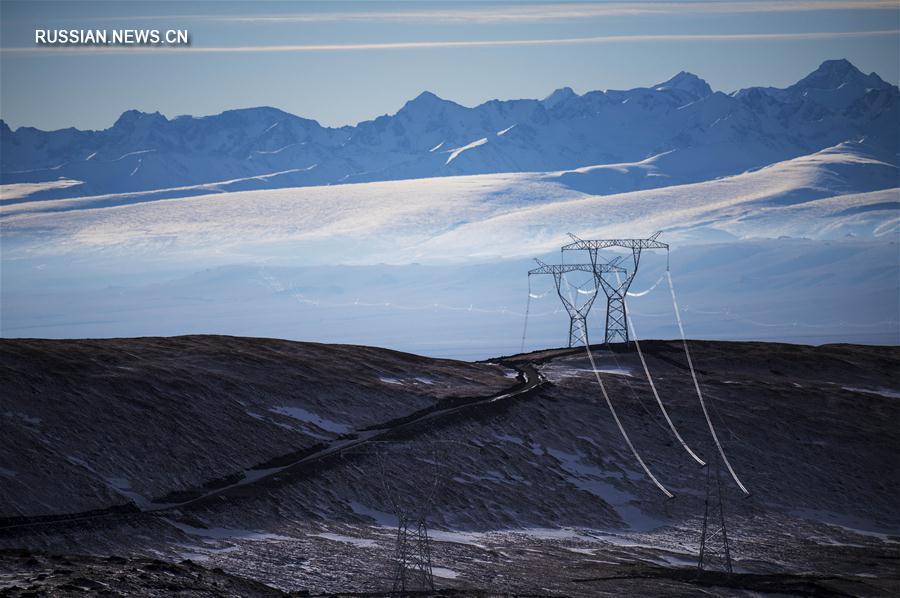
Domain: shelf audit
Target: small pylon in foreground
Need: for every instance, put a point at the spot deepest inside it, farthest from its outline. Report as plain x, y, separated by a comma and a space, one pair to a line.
714, 548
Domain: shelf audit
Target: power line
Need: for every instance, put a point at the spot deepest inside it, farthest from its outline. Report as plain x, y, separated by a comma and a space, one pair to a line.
687, 354
621, 428
659, 402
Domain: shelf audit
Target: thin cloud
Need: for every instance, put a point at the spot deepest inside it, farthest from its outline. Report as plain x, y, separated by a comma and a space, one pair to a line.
526, 13
423, 45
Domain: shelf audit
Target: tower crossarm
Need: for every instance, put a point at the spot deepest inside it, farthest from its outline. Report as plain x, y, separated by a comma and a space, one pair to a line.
578, 332
598, 244
616, 322
557, 269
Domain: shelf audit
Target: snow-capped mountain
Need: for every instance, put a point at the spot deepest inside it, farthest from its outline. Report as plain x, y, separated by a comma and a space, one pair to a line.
703, 134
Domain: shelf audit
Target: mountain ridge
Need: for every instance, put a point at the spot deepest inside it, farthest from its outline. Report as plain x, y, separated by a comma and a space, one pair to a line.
431, 136
827, 67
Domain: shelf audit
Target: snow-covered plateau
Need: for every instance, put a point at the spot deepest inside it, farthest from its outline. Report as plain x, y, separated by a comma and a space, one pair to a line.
774, 253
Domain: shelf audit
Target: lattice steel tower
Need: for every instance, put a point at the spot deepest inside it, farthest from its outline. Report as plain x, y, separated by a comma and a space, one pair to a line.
412, 498
578, 330
616, 320
714, 536
412, 556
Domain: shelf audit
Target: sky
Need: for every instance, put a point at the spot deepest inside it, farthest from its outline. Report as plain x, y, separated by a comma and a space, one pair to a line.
344, 62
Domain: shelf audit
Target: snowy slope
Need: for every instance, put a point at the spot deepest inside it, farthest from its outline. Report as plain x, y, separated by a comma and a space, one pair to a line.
734, 207
457, 218
713, 134
268, 263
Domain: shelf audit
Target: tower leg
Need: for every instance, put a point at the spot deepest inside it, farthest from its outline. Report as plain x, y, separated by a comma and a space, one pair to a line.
401, 556
616, 322
578, 332
424, 564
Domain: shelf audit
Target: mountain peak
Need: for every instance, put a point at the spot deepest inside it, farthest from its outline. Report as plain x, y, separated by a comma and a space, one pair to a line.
425, 98
127, 117
558, 96
832, 74
130, 117
839, 65
685, 81
258, 111
423, 103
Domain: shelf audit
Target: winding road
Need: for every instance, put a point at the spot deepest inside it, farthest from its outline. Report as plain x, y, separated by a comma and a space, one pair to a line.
529, 379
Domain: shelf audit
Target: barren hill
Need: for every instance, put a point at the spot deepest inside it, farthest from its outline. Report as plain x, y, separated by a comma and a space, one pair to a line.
255, 454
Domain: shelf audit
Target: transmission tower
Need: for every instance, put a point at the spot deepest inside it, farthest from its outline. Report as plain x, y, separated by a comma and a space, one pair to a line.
714, 546
578, 330
616, 319
412, 501
412, 556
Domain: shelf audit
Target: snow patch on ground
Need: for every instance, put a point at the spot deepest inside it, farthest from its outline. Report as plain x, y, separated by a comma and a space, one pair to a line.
456, 152
308, 417
415, 380
884, 392
544, 533
596, 481
33, 421
123, 156
358, 542
224, 533
469, 538
444, 572
556, 373
278, 151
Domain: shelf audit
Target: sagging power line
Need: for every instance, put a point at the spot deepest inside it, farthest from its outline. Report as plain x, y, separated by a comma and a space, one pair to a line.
615, 279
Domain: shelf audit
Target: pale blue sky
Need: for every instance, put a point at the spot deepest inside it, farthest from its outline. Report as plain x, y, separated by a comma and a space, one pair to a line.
271, 53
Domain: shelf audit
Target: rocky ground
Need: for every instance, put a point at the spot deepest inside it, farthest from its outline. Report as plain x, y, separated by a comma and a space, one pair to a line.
531, 491
25, 573
92, 423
